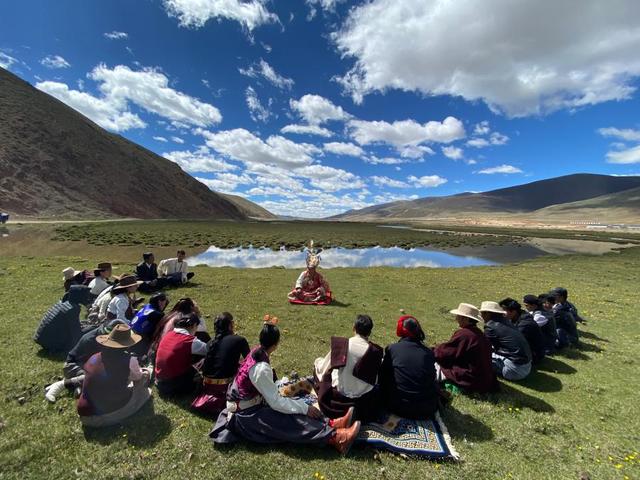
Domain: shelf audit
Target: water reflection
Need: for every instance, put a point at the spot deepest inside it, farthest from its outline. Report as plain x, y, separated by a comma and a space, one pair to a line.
334, 257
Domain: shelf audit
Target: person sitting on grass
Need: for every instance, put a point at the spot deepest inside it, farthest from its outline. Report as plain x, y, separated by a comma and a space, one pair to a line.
563, 293
71, 276
566, 326
147, 319
511, 352
60, 328
147, 272
534, 305
408, 376
73, 368
101, 279
123, 299
107, 397
220, 365
177, 353
184, 306
175, 271
311, 287
347, 375
465, 359
524, 322
257, 412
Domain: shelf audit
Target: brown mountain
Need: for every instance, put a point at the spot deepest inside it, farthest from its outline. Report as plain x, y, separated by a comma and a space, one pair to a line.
521, 199
56, 162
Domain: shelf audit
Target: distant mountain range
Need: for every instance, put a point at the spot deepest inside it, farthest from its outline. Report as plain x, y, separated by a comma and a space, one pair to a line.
581, 196
54, 162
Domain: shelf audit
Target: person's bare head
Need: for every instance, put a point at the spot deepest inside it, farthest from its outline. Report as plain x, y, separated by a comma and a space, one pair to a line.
181, 254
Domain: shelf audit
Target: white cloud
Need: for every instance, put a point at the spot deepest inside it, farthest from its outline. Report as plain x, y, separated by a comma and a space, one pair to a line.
388, 182
195, 13
427, 181
500, 169
454, 153
149, 89
373, 160
177, 140
329, 179
340, 148
482, 128
160, 139
307, 130
497, 138
6, 60
242, 145
54, 61
625, 157
225, 182
316, 110
115, 35
258, 112
109, 114
415, 151
505, 58
266, 71
478, 142
627, 134
200, 160
406, 132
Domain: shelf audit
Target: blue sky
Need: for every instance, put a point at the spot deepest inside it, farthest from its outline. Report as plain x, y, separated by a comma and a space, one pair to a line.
314, 107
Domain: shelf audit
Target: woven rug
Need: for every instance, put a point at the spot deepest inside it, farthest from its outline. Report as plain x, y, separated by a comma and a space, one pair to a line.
422, 438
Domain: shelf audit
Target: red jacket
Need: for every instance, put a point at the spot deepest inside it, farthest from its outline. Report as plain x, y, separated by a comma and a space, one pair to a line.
466, 360
173, 357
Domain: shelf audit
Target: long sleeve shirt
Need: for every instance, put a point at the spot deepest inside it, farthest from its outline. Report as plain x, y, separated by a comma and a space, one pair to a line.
118, 306
342, 378
261, 375
97, 285
171, 266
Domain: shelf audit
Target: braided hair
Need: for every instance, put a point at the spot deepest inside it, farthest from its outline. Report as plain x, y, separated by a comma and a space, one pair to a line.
222, 328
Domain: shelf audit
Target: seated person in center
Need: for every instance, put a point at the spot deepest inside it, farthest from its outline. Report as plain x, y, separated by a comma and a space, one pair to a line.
465, 360
408, 375
175, 271
147, 319
511, 352
184, 306
177, 353
147, 273
347, 375
534, 305
257, 412
220, 365
524, 322
73, 368
123, 301
311, 287
107, 398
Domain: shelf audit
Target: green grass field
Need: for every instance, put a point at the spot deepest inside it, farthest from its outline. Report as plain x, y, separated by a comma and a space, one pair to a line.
578, 414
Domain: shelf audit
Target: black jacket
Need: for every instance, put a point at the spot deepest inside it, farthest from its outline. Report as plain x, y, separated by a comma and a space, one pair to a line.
147, 273
507, 341
564, 319
408, 373
60, 328
531, 331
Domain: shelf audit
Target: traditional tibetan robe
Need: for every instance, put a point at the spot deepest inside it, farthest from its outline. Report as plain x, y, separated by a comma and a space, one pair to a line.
313, 289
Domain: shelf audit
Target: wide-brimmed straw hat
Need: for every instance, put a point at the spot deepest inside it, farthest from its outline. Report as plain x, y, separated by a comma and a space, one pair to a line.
101, 268
119, 337
467, 310
492, 307
125, 282
70, 272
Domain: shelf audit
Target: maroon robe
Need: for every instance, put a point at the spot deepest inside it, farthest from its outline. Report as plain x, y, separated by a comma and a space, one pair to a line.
466, 360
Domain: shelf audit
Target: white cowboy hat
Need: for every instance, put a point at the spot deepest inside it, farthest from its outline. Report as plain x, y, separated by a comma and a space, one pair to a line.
492, 307
467, 310
69, 272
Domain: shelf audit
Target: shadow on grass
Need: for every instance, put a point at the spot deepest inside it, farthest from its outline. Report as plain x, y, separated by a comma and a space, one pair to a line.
592, 336
339, 304
516, 398
464, 426
550, 364
55, 356
541, 382
588, 347
136, 429
572, 353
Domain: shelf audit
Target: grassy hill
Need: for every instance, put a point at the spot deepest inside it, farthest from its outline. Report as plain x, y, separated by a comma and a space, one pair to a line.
519, 199
250, 209
57, 163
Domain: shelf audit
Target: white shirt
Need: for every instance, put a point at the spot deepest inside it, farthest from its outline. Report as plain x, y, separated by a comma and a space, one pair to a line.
135, 372
198, 347
540, 319
342, 378
261, 375
97, 285
170, 266
118, 306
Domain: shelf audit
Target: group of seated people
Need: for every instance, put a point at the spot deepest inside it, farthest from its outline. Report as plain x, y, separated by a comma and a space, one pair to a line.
111, 365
